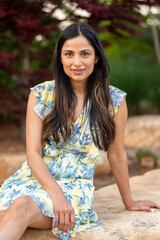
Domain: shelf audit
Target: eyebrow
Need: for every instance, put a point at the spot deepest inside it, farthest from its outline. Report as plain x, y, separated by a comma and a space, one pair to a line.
68, 50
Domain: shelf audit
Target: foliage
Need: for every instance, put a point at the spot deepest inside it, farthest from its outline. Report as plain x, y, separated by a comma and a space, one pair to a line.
30, 28
141, 86
134, 69
120, 17
21, 22
143, 153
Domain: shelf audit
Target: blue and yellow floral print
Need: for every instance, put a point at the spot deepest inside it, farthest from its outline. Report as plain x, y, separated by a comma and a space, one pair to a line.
71, 163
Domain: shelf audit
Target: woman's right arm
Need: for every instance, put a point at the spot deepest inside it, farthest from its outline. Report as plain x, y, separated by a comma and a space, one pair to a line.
64, 212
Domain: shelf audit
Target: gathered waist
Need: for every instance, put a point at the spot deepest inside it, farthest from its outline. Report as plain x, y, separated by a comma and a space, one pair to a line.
77, 186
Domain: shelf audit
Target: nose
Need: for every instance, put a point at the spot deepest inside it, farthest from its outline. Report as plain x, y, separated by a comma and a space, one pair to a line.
77, 61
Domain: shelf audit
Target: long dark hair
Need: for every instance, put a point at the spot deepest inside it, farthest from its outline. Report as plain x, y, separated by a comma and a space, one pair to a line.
61, 117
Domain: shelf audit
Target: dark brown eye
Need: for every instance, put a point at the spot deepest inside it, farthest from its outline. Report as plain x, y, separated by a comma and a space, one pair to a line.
69, 54
85, 54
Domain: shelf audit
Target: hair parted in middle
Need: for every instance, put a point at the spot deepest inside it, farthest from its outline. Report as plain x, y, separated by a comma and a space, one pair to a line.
97, 91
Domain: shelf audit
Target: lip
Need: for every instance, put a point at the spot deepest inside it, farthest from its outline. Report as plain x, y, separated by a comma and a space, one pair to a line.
78, 71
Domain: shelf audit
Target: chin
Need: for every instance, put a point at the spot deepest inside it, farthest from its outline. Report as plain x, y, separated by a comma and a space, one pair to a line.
79, 79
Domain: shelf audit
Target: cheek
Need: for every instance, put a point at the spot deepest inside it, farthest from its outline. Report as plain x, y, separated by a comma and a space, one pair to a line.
91, 69
91, 62
66, 63
91, 65
66, 69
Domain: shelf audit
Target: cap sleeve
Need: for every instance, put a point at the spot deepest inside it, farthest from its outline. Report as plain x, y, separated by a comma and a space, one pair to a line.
45, 94
117, 96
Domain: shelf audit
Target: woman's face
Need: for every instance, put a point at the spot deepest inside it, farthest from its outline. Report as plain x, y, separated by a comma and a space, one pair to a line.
78, 59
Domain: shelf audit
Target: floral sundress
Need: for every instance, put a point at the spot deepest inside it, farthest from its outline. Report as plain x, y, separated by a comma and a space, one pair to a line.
71, 164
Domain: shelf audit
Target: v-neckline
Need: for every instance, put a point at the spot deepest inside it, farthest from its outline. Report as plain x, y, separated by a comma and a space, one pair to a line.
84, 110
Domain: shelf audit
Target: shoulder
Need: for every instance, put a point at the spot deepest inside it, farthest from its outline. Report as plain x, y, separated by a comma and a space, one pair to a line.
116, 97
45, 94
43, 88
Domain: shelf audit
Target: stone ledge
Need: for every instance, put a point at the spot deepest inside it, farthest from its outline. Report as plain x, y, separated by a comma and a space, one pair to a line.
118, 223
142, 131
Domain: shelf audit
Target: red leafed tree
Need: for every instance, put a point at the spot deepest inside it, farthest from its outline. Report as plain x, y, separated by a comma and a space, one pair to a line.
120, 17
23, 20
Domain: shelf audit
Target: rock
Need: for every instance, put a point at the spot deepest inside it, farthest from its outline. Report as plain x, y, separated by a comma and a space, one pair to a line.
102, 167
147, 161
4, 173
118, 223
143, 131
134, 164
10, 163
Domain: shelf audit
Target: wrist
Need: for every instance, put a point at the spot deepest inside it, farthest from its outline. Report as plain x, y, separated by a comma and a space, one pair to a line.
128, 204
53, 189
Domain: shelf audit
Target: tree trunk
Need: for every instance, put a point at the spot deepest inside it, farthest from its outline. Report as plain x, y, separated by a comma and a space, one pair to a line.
25, 62
23, 128
25, 80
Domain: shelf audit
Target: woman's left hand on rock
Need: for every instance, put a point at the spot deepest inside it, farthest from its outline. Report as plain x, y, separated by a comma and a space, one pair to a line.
143, 206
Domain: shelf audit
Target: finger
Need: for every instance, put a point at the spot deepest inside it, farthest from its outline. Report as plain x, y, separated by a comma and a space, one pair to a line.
72, 221
145, 208
56, 221
153, 204
61, 222
66, 223
156, 205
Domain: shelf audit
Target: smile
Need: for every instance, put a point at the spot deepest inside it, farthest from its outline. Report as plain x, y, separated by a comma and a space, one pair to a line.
78, 71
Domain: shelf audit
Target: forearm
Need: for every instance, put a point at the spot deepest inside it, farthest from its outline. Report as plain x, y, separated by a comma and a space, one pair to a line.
120, 170
42, 174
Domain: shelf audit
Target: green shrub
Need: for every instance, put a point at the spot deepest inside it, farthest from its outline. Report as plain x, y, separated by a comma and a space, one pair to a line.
141, 82
144, 153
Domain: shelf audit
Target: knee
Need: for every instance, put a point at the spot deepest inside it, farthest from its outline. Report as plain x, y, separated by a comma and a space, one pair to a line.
20, 208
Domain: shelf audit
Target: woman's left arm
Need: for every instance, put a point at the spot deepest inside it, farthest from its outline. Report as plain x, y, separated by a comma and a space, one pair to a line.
118, 160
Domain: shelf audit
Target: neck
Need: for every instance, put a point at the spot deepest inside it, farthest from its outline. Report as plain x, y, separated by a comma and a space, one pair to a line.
79, 87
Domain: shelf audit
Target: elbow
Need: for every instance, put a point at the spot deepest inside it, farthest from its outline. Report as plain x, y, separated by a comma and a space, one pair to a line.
32, 156
117, 157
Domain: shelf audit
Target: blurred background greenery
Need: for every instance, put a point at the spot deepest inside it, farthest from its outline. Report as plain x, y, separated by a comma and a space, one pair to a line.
135, 69
129, 31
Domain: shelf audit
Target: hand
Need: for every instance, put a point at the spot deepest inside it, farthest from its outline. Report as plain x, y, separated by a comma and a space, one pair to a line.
143, 206
63, 211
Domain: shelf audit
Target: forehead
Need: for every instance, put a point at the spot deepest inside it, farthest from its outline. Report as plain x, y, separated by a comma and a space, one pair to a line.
77, 43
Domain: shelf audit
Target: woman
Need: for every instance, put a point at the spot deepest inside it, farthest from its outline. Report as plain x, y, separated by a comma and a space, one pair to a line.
67, 121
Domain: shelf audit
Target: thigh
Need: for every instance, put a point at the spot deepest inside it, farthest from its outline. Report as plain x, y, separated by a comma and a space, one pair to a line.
39, 220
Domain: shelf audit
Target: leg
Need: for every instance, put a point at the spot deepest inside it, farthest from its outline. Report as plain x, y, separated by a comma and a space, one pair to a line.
23, 213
